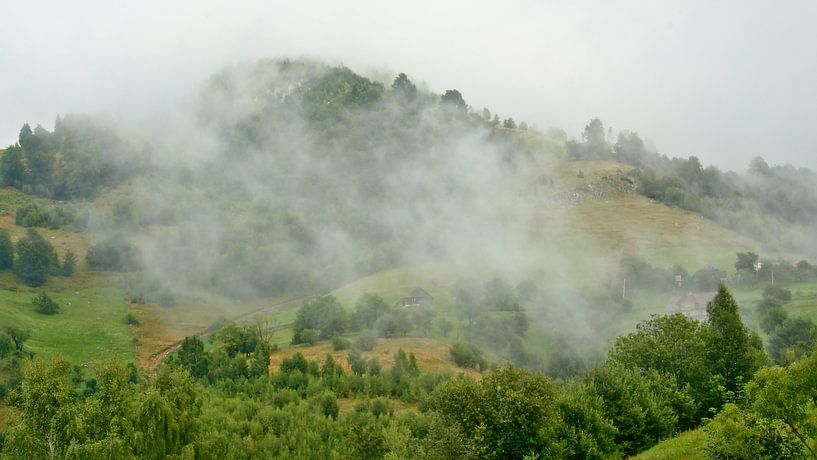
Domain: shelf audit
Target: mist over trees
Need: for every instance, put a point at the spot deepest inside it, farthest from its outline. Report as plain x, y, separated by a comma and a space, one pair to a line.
333, 176
295, 177
776, 205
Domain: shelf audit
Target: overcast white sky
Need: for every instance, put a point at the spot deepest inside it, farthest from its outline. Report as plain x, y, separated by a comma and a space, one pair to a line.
723, 80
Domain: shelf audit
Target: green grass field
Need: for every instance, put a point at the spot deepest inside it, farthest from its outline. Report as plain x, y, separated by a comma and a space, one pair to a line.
689, 445
88, 328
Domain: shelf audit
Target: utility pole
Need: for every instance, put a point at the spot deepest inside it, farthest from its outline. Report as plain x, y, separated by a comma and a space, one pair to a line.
624, 289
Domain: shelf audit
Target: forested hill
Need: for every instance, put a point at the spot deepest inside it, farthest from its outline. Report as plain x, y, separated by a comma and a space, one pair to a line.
301, 212
297, 175
773, 204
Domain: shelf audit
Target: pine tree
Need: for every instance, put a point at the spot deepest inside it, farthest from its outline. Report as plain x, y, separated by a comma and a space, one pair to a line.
69, 263
732, 352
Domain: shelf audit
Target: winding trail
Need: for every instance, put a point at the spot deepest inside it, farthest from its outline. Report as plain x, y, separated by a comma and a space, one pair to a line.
160, 356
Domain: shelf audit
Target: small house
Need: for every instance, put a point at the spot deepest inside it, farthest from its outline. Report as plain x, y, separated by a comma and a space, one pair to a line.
415, 298
692, 305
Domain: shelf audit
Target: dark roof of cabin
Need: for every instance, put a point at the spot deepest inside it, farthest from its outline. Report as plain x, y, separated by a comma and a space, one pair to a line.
691, 301
420, 292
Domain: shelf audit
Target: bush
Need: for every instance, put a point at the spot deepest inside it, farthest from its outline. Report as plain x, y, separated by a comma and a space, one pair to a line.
324, 314
45, 304
366, 341
738, 434
328, 404
310, 336
778, 293
34, 215
339, 343
36, 259
468, 355
131, 320
114, 254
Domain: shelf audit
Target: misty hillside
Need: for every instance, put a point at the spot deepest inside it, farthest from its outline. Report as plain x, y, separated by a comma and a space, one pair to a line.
294, 175
314, 255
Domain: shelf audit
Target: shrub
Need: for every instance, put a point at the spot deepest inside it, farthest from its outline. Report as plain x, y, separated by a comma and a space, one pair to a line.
468, 355
328, 404
366, 341
131, 320
778, 293
36, 259
735, 433
34, 215
339, 343
45, 304
114, 254
310, 336
69, 263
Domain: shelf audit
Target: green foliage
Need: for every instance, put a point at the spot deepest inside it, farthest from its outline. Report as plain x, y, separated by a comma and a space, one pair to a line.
453, 98
6, 251
339, 343
772, 318
131, 320
731, 351
735, 434
114, 254
69, 262
34, 215
511, 411
368, 309
791, 339
36, 259
404, 87
310, 336
594, 143
708, 278
468, 355
234, 339
788, 395
12, 170
324, 314
674, 346
396, 323
191, 356
296, 362
778, 293
365, 341
641, 275
644, 406
45, 304
90, 156
585, 432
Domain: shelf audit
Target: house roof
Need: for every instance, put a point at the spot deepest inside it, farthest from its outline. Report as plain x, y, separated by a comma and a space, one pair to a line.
420, 292
691, 301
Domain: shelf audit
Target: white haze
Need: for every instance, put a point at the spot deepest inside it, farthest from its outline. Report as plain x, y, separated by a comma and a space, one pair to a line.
723, 80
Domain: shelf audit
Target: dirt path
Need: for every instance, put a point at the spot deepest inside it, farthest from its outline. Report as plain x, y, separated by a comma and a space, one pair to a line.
159, 357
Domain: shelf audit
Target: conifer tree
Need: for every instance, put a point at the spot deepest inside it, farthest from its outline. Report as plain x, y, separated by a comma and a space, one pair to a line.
732, 351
